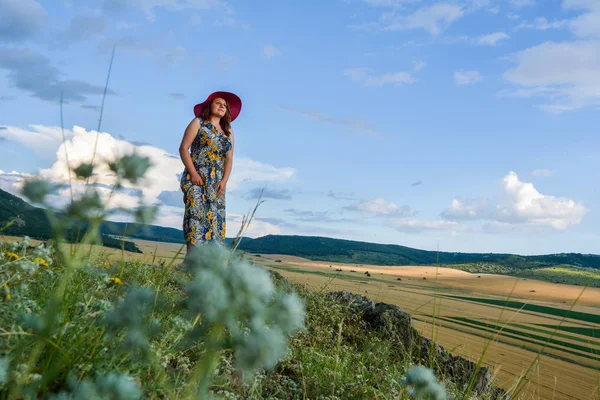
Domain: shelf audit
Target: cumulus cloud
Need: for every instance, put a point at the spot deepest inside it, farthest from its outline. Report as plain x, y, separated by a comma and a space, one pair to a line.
162, 181
21, 20
463, 77
522, 205
468, 209
381, 207
32, 72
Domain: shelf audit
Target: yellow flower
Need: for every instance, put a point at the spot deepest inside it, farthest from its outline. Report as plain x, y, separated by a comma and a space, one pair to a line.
7, 296
12, 256
208, 235
212, 173
116, 280
210, 142
106, 265
210, 215
40, 261
5, 286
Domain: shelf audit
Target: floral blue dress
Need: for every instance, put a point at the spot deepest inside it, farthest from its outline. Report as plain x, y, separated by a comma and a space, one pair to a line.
204, 216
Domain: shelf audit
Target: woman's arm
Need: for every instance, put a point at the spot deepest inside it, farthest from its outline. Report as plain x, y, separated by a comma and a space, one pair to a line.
188, 138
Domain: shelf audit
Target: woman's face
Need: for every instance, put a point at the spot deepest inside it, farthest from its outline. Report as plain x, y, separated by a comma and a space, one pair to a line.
218, 107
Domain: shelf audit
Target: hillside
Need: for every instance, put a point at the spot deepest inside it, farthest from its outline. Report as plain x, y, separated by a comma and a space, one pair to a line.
18, 218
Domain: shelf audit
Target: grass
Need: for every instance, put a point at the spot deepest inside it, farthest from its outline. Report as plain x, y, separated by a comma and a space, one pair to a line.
337, 356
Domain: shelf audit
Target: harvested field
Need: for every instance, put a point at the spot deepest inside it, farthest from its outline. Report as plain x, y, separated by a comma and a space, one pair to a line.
463, 311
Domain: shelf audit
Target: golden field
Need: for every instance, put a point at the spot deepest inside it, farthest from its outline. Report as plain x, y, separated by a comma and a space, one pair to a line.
447, 306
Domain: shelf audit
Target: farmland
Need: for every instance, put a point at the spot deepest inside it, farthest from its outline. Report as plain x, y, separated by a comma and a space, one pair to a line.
461, 311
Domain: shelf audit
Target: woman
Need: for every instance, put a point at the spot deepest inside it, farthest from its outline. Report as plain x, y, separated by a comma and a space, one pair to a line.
207, 168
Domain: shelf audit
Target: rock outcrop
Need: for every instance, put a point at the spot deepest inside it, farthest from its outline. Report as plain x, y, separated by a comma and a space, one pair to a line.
396, 324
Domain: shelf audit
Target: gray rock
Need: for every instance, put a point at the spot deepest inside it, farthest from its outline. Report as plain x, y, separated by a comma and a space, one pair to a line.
396, 324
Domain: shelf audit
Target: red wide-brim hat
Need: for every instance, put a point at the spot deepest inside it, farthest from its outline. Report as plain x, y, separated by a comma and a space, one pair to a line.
235, 103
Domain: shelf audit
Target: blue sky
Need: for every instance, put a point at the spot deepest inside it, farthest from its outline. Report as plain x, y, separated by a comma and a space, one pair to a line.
468, 123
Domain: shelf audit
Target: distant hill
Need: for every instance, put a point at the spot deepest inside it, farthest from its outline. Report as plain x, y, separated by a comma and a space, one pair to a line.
348, 251
31, 221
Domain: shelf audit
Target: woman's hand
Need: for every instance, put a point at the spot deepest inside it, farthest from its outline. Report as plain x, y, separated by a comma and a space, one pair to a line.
196, 179
221, 187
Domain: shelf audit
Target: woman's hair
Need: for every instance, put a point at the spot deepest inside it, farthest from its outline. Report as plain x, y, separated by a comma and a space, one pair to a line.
225, 120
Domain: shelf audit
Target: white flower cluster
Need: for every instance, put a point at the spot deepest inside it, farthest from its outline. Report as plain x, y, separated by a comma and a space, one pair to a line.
423, 384
241, 297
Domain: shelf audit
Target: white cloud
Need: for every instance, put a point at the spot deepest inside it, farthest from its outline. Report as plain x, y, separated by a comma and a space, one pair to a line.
492, 39
467, 209
432, 18
567, 73
542, 24
522, 205
365, 76
463, 77
382, 207
161, 177
543, 172
270, 51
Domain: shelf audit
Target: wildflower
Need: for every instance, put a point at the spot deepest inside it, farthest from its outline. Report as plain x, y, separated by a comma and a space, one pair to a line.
44, 253
130, 314
423, 384
12, 256
241, 297
115, 280
6, 292
40, 261
84, 171
87, 207
131, 167
36, 189
146, 214
106, 265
